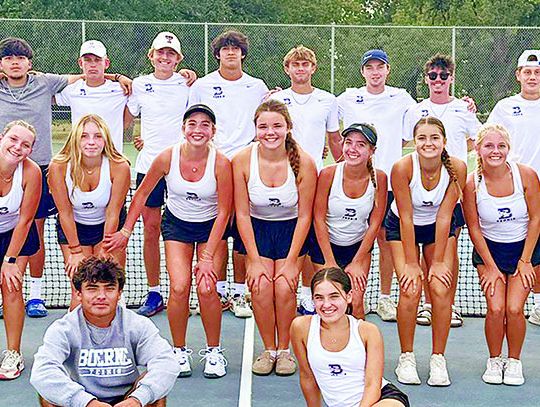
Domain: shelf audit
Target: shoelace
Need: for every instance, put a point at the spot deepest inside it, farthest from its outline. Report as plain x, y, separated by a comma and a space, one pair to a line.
408, 362
496, 363
240, 301
511, 367
10, 359
213, 356
183, 355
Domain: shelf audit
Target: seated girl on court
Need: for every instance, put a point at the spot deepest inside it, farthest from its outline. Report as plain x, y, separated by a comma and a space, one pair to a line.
89, 180
274, 186
20, 192
340, 357
348, 211
503, 215
427, 185
199, 203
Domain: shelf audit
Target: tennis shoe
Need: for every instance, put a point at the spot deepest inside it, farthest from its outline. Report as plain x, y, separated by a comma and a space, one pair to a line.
513, 372
35, 308
183, 356
306, 307
438, 374
386, 309
534, 316
406, 369
152, 305
240, 306
12, 365
215, 362
494, 371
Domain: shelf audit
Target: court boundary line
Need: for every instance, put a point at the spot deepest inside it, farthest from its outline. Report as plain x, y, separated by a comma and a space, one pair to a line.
244, 398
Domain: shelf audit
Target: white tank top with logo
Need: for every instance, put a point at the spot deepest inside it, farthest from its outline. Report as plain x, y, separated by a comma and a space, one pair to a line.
347, 218
89, 207
10, 204
271, 203
503, 219
192, 201
425, 203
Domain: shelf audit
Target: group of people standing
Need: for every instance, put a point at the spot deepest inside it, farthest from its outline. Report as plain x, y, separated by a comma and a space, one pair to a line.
232, 159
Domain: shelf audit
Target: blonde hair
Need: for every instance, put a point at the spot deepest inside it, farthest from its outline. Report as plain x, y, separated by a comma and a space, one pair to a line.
480, 136
21, 123
299, 53
71, 151
445, 157
291, 146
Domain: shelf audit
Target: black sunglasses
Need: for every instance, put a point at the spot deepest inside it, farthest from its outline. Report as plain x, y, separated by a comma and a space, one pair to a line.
433, 75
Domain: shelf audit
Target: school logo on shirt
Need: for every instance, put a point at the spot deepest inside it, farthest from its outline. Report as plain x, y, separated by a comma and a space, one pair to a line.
359, 99
218, 92
274, 202
516, 111
336, 370
505, 215
424, 113
192, 196
287, 101
350, 214
3, 210
148, 88
107, 362
88, 205
82, 92
427, 203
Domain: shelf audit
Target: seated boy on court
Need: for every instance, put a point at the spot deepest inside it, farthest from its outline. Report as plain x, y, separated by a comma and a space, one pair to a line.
89, 357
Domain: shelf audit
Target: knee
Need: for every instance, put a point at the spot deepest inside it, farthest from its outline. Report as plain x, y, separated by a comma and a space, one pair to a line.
496, 312
283, 289
180, 291
265, 292
205, 294
514, 310
438, 291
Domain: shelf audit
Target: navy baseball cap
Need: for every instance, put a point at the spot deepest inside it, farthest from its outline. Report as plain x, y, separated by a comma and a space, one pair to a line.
366, 130
199, 107
377, 54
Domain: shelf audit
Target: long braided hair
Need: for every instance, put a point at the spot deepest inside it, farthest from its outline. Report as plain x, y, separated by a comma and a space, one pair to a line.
291, 146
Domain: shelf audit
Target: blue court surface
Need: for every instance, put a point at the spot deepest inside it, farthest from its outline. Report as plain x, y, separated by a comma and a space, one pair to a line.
466, 355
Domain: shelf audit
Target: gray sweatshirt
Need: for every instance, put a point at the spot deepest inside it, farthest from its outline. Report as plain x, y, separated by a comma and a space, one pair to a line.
79, 362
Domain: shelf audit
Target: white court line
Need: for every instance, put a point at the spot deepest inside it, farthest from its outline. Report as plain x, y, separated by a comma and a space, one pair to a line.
244, 400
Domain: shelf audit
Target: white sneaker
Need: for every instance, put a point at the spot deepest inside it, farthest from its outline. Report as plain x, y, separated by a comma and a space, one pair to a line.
183, 356
534, 316
406, 369
215, 362
240, 307
513, 372
457, 319
494, 371
438, 374
12, 365
306, 307
386, 309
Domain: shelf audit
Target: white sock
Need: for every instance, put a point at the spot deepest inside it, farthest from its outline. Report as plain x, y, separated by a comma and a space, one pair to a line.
154, 289
273, 353
280, 351
536, 297
383, 296
239, 289
305, 292
221, 288
35, 288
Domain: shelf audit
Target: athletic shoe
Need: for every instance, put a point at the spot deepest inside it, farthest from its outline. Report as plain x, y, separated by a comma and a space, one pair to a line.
264, 364
12, 365
215, 362
406, 369
225, 302
494, 371
424, 315
285, 364
457, 319
240, 307
386, 309
306, 306
513, 372
183, 356
152, 305
534, 316
35, 308
438, 374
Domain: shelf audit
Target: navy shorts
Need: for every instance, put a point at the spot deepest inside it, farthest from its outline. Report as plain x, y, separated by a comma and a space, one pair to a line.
273, 238
391, 392
46, 206
389, 200
459, 218
156, 199
343, 254
30, 246
507, 255
173, 228
88, 235
424, 234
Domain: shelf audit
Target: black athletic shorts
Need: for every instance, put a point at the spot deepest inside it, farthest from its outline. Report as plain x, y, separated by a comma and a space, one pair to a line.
156, 199
424, 234
393, 393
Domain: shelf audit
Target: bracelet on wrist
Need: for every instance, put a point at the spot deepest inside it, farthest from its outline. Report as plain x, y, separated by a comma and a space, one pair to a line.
526, 262
74, 246
117, 77
76, 251
125, 232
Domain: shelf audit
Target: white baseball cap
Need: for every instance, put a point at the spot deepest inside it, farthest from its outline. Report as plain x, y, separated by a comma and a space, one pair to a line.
530, 57
166, 39
94, 47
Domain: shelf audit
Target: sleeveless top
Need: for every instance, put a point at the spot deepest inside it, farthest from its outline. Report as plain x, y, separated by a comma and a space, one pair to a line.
10, 204
347, 218
503, 219
271, 203
89, 207
192, 201
425, 203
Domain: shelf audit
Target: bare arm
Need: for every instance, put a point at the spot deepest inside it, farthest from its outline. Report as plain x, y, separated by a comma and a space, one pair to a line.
335, 144
373, 342
320, 209
121, 179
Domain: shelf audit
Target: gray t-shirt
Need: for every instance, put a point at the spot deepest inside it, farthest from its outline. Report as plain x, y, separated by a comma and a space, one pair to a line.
32, 103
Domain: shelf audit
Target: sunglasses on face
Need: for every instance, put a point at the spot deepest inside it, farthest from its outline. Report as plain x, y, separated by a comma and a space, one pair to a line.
443, 75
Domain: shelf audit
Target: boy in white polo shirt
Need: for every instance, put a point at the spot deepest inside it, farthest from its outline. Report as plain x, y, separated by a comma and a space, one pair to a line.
384, 107
520, 115
234, 96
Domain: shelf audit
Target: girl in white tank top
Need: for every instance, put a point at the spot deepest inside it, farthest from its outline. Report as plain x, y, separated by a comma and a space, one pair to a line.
89, 181
338, 354
503, 216
423, 214
199, 204
349, 209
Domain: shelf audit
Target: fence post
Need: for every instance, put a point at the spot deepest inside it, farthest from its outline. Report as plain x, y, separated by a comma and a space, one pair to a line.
332, 55
83, 31
454, 57
206, 48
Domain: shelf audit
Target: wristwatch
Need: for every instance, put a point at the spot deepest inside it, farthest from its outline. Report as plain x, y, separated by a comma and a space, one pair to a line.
10, 259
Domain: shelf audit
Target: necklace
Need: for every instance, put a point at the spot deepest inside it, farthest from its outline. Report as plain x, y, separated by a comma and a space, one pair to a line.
90, 172
8, 179
441, 114
305, 101
431, 177
20, 93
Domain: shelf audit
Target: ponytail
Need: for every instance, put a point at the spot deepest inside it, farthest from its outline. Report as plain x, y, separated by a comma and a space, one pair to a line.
291, 146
